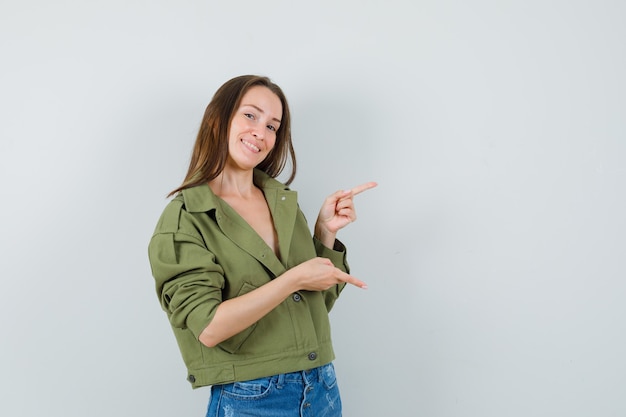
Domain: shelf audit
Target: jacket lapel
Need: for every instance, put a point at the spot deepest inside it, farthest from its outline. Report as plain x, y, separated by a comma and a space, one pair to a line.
244, 236
283, 205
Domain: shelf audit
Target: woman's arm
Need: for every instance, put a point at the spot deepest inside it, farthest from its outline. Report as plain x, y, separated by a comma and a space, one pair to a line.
235, 315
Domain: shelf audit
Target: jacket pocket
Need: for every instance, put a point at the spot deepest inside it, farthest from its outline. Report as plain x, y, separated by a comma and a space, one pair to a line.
234, 343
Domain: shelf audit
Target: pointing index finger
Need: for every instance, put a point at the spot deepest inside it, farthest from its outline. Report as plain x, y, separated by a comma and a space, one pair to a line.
352, 280
363, 187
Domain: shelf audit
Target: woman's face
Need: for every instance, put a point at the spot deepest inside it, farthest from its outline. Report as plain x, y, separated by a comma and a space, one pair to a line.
252, 133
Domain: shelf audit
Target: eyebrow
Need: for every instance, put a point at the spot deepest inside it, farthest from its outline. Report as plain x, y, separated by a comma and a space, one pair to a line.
261, 111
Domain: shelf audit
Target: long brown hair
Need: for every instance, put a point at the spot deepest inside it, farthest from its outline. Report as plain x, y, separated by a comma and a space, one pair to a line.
211, 148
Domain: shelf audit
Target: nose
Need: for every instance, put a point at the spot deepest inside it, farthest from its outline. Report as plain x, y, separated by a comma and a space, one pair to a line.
258, 132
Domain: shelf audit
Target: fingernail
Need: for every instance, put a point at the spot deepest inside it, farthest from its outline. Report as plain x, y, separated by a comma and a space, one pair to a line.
364, 286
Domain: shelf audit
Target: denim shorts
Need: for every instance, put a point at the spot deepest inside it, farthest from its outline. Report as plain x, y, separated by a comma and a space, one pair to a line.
312, 393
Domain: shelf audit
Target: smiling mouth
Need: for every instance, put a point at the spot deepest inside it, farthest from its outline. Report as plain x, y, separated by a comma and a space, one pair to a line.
251, 146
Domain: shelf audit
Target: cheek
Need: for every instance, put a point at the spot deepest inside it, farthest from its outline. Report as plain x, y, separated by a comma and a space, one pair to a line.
271, 143
236, 126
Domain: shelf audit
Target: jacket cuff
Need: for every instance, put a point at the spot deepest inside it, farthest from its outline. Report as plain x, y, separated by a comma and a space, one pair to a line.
337, 255
199, 319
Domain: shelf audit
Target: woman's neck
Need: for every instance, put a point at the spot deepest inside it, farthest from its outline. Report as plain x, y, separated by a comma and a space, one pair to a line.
233, 183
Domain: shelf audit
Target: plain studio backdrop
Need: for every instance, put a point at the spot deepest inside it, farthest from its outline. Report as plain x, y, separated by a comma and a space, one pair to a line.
493, 247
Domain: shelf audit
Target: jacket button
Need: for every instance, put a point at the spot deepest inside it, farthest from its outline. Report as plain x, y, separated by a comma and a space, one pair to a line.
312, 356
297, 297
191, 379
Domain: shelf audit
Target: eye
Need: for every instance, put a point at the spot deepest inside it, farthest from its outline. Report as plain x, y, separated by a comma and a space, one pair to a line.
249, 116
272, 128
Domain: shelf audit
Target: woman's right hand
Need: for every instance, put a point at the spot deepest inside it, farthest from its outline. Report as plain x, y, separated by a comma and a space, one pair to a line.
319, 274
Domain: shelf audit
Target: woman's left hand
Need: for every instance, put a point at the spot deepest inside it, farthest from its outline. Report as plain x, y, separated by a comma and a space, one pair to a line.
337, 212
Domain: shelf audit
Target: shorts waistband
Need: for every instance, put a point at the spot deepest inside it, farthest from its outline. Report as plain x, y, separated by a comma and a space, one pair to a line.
308, 376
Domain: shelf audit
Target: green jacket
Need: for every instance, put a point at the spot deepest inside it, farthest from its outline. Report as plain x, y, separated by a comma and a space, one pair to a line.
203, 252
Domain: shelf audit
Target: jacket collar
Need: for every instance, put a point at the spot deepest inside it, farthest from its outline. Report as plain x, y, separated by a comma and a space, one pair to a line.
201, 198
283, 205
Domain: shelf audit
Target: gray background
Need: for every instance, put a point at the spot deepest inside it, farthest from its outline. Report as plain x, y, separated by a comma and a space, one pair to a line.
493, 246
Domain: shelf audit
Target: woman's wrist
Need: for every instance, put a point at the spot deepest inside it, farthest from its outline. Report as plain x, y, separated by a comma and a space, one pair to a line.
327, 238
291, 280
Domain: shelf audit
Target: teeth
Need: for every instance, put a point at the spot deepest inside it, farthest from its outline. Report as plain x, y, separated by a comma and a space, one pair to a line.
250, 145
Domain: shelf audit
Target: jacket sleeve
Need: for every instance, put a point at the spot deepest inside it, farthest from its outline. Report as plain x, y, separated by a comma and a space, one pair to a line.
188, 281
338, 256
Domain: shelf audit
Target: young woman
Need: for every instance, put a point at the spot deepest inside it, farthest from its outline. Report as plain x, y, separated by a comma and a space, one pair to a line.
246, 287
